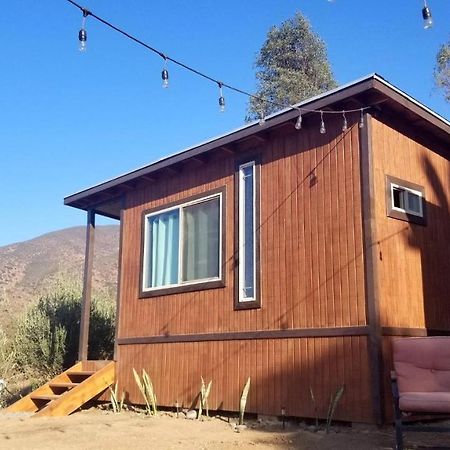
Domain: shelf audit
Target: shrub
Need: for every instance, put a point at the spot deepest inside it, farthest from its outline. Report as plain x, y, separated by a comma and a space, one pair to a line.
46, 339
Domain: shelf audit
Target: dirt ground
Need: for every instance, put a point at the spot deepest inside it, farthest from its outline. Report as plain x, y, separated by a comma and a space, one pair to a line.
97, 429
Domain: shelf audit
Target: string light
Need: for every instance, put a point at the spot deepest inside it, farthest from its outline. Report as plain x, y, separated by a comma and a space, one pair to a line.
82, 34
361, 119
221, 98
322, 130
165, 75
262, 119
426, 14
344, 123
298, 124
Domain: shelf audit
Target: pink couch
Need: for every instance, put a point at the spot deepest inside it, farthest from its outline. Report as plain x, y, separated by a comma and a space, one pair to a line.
420, 382
422, 366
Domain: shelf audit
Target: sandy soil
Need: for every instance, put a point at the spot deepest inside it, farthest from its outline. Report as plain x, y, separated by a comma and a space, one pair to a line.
96, 429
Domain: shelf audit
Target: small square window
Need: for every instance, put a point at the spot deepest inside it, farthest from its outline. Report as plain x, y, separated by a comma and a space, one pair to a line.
405, 200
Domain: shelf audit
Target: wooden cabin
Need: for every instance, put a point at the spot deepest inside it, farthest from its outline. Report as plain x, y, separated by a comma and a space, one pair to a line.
289, 256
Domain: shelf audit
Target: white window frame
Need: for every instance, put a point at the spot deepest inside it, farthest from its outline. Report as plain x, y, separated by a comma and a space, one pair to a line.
146, 256
406, 208
241, 287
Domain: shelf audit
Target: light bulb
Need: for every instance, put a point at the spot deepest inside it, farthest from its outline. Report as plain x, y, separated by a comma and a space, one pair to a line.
427, 19
298, 124
165, 78
82, 34
221, 98
344, 123
82, 37
222, 103
361, 120
322, 130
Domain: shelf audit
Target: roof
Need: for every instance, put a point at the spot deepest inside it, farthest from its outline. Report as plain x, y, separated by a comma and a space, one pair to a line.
372, 90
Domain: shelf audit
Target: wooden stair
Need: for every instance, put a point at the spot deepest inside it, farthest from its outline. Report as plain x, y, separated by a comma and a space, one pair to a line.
69, 390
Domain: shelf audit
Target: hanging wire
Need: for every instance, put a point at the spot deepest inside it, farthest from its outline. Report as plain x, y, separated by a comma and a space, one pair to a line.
202, 74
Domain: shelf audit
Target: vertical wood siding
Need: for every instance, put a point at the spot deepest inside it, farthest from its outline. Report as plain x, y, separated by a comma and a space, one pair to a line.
311, 277
414, 260
281, 371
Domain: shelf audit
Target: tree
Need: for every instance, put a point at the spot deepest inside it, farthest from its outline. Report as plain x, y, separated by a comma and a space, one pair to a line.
291, 66
442, 70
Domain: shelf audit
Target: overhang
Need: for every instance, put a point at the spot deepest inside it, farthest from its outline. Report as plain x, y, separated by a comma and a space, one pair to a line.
370, 91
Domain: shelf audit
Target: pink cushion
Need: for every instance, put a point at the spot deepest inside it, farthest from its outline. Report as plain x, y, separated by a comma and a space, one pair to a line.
422, 365
437, 402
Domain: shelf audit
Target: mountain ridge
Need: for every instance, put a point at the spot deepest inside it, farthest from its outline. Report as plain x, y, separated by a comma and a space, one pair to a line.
30, 269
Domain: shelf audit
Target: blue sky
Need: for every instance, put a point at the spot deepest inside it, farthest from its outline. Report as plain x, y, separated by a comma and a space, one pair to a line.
71, 120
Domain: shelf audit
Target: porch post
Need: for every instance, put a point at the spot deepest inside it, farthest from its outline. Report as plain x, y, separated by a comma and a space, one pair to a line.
87, 287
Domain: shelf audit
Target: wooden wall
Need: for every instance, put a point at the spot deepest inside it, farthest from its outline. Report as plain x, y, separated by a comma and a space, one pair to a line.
281, 371
414, 260
312, 276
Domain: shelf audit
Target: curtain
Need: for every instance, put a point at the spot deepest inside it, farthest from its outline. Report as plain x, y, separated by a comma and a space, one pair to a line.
164, 235
201, 230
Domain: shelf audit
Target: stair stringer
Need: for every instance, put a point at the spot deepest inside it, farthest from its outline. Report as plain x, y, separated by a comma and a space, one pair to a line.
71, 400
26, 404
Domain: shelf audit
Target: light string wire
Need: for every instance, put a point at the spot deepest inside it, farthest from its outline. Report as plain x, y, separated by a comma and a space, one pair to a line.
86, 12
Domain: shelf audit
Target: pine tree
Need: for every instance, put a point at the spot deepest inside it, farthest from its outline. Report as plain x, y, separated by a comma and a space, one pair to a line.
442, 70
291, 66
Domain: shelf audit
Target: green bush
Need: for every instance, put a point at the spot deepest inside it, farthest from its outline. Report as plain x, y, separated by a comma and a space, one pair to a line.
46, 339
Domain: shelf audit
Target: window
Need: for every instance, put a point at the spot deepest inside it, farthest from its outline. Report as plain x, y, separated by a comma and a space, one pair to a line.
405, 201
247, 230
182, 247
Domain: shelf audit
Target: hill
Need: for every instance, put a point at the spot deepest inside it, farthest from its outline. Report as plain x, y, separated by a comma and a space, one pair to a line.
29, 269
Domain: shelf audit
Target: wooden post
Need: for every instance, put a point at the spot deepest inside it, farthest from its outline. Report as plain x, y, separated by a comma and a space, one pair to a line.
119, 277
370, 270
87, 287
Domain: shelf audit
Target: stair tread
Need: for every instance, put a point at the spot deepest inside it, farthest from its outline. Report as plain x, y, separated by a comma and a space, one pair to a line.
45, 397
63, 385
82, 372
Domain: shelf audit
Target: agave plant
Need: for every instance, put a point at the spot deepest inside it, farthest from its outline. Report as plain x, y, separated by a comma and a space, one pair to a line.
243, 401
145, 386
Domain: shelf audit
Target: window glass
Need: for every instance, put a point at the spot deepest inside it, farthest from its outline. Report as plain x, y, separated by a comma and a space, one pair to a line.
414, 203
248, 223
201, 240
164, 230
247, 232
183, 245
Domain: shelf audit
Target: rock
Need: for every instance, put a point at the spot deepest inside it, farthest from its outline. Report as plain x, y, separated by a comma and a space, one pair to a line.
240, 428
191, 414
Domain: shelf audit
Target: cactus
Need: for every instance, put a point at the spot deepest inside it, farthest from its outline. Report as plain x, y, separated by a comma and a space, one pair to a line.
243, 401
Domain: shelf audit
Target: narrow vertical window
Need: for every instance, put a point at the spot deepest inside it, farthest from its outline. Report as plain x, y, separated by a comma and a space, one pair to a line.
247, 240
